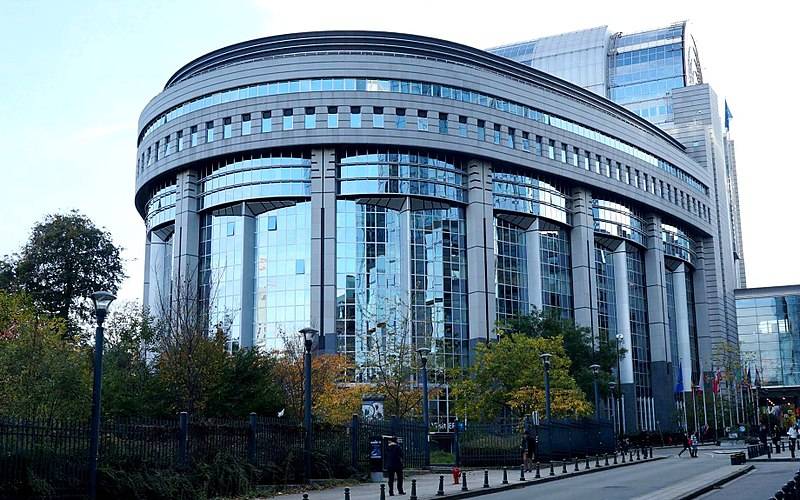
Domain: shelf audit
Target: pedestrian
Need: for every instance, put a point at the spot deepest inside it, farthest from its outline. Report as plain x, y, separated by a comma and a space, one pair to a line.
762, 434
394, 465
695, 444
792, 438
530, 445
776, 438
687, 445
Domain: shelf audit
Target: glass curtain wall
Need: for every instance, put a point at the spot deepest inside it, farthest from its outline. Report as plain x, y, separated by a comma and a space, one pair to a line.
672, 323
693, 346
640, 338
511, 284
556, 272
160, 282
606, 295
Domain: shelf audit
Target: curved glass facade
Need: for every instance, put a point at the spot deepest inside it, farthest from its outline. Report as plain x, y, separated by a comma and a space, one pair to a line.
606, 294
618, 220
556, 272
529, 195
253, 178
677, 243
640, 337
161, 207
401, 172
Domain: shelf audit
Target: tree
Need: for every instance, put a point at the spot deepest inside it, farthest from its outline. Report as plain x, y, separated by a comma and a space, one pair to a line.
65, 260
248, 383
8, 273
578, 345
41, 375
508, 374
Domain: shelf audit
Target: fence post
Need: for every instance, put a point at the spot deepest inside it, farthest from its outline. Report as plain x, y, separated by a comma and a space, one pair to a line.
183, 440
251, 440
354, 430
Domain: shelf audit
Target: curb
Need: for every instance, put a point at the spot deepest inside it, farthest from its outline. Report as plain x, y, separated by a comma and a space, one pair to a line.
719, 482
545, 479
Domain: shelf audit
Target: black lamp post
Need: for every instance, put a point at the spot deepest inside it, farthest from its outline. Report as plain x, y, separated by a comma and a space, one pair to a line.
595, 371
546, 362
102, 300
426, 419
620, 338
308, 338
612, 388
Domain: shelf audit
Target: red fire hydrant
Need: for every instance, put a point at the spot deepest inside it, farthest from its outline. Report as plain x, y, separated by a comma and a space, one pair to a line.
456, 475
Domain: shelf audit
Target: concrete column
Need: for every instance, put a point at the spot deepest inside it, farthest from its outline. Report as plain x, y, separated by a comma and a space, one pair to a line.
146, 290
682, 320
248, 250
622, 295
186, 246
661, 369
533, 249
584, 279
480, 253
323, 247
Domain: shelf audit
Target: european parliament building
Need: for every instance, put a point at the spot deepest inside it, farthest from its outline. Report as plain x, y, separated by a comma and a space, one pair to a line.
348, 180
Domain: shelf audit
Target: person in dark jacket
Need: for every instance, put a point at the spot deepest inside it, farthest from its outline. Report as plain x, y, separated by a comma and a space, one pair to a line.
394, 465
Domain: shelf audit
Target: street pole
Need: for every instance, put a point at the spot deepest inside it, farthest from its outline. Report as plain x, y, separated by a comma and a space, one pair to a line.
595, 370
546, 361
102, 300
423, 354
620, 399
308, 338
714, 404
694, 409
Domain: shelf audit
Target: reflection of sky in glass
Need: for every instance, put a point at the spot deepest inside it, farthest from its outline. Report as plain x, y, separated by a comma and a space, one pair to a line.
769, 337
606, 294
640, 338
511, 285
556, 272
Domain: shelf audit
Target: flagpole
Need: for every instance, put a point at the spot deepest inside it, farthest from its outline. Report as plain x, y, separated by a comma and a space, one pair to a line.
714, 403
683, 407
694, 408
705, 416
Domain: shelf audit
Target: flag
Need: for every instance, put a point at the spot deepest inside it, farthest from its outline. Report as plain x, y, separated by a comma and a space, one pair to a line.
715, 381
679, 384
728, 116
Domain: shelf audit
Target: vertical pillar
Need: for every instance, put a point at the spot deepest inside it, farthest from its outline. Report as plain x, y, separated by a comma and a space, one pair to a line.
480, 253
533, 249
622, 295
584, 280
146, 290
682, 321
248, 250
661, 371
323, 246
186, 246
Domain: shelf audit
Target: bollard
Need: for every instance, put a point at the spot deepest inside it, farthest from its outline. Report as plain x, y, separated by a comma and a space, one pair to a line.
464, 482
563, 466
623, 457
576, 465
440, 492
347, 494
537, 471
552, 472
505, 475
630, 458
638, 457
413, 495
606, 464
383, 492
651, 452
485, 478
586, 467
305, 496
615, 458
596, 461
522, 472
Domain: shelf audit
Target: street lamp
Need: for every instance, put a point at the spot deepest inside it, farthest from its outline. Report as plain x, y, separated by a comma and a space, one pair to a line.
308, 338
102, 300
546, 362
595, 371
620, 338
423, 358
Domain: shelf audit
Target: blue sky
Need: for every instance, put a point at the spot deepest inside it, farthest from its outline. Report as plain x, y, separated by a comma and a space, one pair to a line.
76, 74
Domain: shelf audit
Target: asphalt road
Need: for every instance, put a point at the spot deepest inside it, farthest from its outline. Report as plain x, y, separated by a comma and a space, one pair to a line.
630, 482
761, 483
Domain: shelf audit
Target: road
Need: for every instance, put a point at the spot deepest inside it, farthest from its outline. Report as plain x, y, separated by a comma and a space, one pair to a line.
762, 483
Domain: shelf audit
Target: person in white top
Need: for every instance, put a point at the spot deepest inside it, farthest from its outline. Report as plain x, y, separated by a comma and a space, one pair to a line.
792, 438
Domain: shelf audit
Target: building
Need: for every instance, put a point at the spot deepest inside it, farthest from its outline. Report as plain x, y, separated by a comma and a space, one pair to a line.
657, 75
350, 180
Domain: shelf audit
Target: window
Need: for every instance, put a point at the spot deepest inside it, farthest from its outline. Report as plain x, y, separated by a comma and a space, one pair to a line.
443, 123
607, 167
166, 146
422, 120
231, 229
586, 160
511, 133
636, 179
496, 135
149, 157
156, 150
400, 119
266, 121
377, 117
333, 116
209, 131
618, 171
526, 141
193, 131
179, 139
576, 153
551, 149
481, 130
272, 223
310, 120
538, 145
355, 116
462, 126
247, 125
299, 266
227, 128
288, 119
597, 164
627, 174
563, 153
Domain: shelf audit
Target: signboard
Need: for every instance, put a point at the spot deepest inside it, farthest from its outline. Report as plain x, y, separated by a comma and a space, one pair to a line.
372, 407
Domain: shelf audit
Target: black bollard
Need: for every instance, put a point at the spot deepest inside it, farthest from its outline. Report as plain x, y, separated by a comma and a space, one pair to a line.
464, 482
586, 467
347, 494
505, 475
615, 458
606, 464
623, 457
552, 472
413, 495
485, 478
537, 471
563, 466
651, 452
577, 468
522, 472
383, 492
596, 461
630, 458
440, 492
638, 456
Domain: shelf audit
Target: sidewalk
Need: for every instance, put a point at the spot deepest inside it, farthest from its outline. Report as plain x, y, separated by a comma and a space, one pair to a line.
428, 484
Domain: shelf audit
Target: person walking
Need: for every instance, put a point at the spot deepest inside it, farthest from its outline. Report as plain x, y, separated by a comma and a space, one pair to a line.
687, 445
792, 433
394, 465
530, 446
695, 443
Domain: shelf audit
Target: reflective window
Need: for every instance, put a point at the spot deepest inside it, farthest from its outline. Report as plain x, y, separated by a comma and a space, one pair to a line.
481, 130
310, 119
462, 126
194, 135
227, 128
333, 117
266, 121
551, 149
618, 220
377, 117
528, 194
556, 272
179, 140
677, 243
511, 270
496, 135
166, 146
769, 327
526, 141
640, 336
288, 119
400, 118
209, 131
160, 208
606, 293
247, 125
355, 116
443, 123
422, 120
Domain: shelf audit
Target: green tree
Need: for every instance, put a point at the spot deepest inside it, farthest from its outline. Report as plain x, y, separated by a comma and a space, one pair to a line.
65, 260
8, 273
508, 374
248, 384
41, 374
578, 345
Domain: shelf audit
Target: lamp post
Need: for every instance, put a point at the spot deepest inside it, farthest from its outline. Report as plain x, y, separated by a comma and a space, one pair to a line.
620, 338
102, 300
546, 362
308, 338
426, 419
595, 371
612, 388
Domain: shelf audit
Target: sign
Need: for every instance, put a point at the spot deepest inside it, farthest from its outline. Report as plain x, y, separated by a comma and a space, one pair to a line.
372, 407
